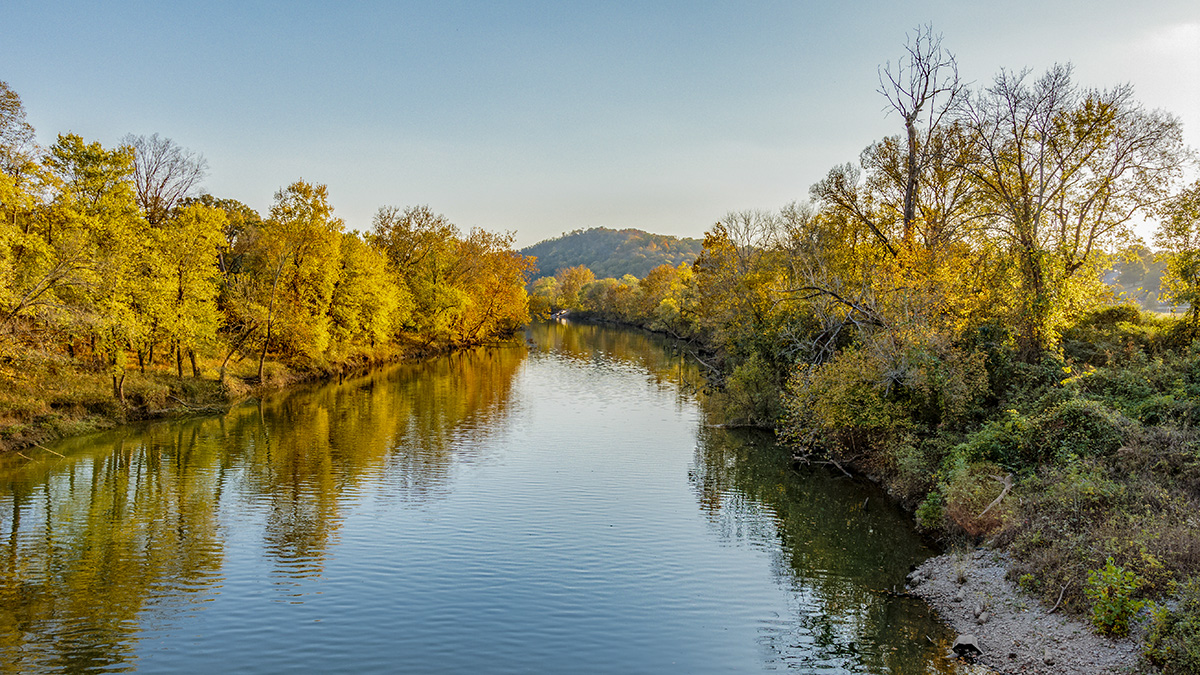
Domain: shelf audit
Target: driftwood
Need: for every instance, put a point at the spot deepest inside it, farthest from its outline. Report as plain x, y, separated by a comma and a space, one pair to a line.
50, 451
1060, 597
843, 470
1007, 482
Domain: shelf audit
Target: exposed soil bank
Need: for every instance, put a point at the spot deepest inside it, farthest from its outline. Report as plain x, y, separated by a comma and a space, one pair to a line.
1017, 633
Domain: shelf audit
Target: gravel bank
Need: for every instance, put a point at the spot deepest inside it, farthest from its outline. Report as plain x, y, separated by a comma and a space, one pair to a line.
1017, 634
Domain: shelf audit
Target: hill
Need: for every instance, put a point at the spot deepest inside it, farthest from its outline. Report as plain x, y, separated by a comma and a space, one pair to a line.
612, 253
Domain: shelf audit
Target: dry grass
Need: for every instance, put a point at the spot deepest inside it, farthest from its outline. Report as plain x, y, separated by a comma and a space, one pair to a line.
45, 394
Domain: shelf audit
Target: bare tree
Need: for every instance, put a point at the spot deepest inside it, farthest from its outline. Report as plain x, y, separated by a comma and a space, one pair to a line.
907, 183
17, 147
922, 86
164, 174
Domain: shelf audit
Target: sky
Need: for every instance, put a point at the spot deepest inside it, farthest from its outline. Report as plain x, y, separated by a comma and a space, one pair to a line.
545, 117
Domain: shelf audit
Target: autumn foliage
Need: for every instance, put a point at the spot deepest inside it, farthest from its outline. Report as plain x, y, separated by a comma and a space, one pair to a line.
107, 256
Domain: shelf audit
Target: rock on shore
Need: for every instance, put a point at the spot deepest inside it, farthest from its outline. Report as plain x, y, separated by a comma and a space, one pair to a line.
1014, 632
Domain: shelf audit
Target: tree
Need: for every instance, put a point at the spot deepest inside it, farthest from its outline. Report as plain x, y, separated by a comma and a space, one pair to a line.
71, 256
164, 174
22, 181
491, 278
239, 220
421, 248
296, 258
570, 282
412, 236
1059, 174
187, 250
543, 297
1179, 235
922, 83
17, 147
368, 305
907, 191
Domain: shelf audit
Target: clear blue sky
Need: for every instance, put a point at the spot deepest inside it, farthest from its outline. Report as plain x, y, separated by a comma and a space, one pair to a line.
543, 117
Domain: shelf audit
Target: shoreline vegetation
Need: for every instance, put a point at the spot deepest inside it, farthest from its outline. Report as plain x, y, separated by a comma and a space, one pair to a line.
67, 398
125, 293
934, 318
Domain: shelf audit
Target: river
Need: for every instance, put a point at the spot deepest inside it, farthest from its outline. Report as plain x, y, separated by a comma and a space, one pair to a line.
561, 504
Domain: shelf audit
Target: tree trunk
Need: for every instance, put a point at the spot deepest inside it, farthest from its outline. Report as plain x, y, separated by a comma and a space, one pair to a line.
910, 184
232, 350
142, 361
195, 368
179, 361
262, 356
119, 388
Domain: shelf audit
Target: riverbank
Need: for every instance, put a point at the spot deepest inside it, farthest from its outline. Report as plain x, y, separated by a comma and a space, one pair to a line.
1082, 469
1016, 634
49, 395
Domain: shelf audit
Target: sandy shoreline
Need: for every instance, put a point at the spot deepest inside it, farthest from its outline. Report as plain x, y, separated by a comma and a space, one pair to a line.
1018, 634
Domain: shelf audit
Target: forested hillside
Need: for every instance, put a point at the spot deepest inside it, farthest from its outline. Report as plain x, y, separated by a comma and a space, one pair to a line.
612, 253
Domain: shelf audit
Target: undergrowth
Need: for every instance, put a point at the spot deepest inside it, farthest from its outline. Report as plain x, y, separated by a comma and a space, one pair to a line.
1085, 464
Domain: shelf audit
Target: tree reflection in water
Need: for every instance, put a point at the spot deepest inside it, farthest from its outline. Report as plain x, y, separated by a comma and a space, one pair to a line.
132, 530
839, 545
129, 520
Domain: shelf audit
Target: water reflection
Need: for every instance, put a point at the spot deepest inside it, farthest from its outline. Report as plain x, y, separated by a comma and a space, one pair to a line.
839, 545
129, 521
91, 541
664, 361
348, 501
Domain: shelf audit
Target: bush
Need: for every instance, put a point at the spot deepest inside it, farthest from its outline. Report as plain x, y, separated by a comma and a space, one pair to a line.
969, 488
1079, 427
1113, 333
1007, 441
1173, 642
931, 514
878, 395
751, 393
1111, 590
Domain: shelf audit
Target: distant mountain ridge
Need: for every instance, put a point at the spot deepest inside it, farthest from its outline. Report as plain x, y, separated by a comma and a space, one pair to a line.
613, 253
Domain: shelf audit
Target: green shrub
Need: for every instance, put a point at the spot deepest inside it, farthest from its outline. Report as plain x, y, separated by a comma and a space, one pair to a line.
914, 465
931, 514
751, 393
1079, 427
1173, 642
1078, 491
1111, 590
970, 488
1115, 333
1029, 583
1006, 441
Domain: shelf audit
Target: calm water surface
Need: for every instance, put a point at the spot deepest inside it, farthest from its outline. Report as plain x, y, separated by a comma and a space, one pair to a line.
554, 506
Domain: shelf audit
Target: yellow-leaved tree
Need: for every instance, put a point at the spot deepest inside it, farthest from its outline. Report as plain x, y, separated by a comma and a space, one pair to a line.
295, 261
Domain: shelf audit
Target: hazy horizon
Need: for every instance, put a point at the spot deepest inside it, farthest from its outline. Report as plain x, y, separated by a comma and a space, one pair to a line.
542, 118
